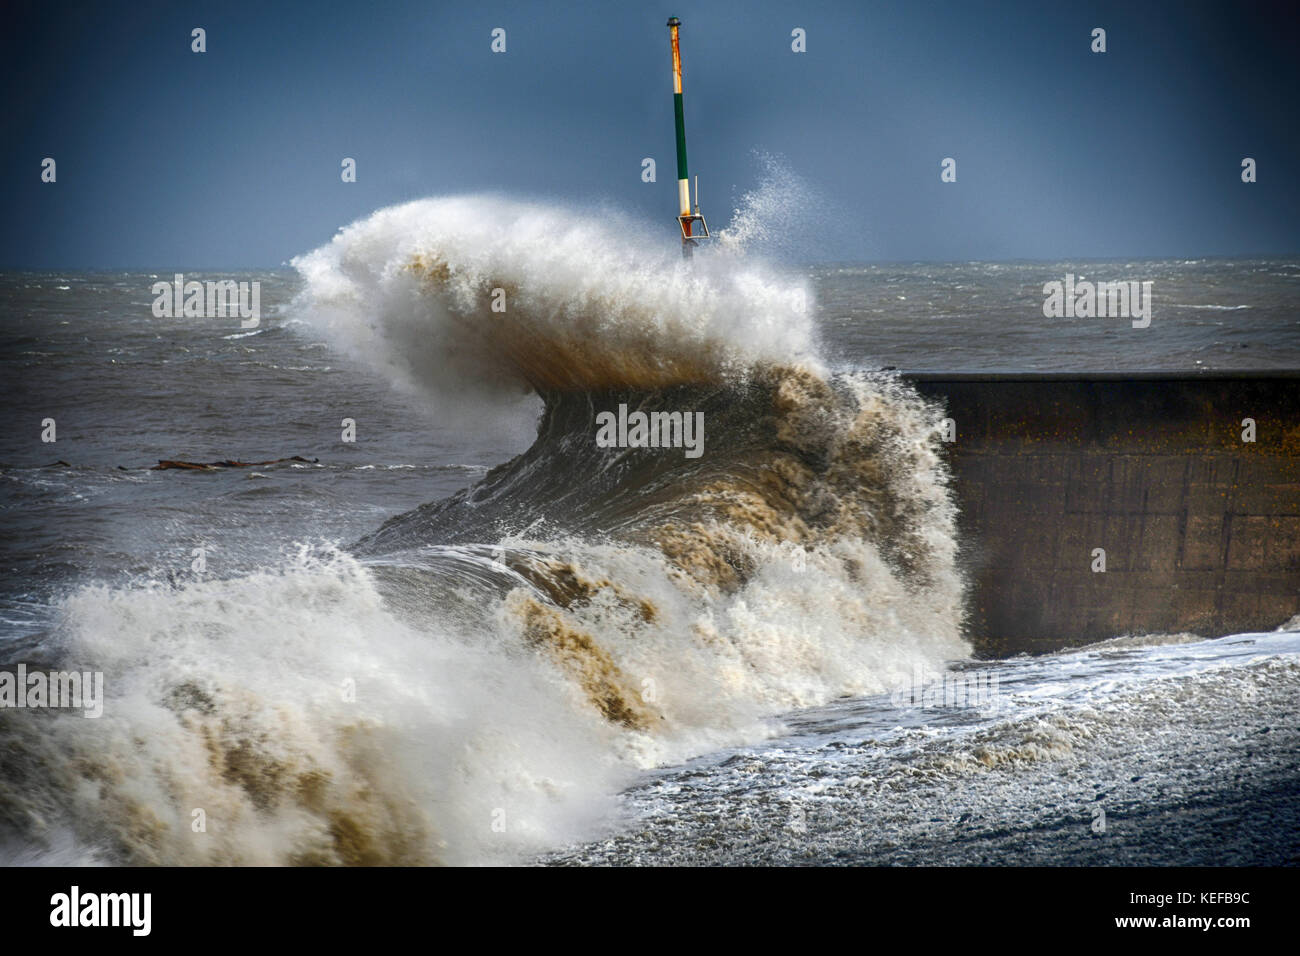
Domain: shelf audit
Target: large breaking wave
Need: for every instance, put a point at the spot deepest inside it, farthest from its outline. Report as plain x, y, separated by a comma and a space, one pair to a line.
511, 655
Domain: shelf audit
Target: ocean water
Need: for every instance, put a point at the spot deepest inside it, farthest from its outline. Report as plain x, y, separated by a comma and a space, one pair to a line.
470, 635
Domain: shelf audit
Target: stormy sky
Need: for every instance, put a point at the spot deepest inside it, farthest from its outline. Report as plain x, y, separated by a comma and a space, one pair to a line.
167, 158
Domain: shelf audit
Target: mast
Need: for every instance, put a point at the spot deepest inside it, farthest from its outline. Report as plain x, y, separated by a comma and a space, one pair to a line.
693, 226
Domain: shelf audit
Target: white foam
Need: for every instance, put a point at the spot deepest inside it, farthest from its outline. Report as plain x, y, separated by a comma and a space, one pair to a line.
443, 733
602, 281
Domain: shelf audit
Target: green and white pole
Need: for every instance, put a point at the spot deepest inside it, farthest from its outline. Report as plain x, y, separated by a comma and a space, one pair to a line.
683, 177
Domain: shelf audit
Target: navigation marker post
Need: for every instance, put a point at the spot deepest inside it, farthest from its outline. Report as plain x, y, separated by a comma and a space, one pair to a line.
692, 225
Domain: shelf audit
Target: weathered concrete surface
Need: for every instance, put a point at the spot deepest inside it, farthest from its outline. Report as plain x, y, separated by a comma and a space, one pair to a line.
1201, 530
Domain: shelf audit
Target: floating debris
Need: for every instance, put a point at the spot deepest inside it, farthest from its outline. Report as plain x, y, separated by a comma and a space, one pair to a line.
164, 465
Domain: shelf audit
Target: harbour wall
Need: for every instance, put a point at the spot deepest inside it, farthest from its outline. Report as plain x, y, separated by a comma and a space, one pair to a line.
1095, 505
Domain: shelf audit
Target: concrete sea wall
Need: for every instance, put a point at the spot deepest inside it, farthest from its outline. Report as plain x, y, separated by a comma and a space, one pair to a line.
1200, 528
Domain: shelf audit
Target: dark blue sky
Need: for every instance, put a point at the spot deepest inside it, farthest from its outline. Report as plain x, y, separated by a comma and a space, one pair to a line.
230, 158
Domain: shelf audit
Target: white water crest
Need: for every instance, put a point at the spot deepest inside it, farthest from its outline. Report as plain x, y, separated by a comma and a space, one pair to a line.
393, 707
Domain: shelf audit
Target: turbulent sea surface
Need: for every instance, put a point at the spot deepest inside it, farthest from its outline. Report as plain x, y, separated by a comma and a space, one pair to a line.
473, 636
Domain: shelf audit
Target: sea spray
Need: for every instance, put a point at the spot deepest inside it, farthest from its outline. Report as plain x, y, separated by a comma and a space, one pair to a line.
475, 680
